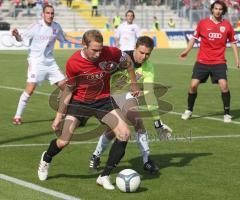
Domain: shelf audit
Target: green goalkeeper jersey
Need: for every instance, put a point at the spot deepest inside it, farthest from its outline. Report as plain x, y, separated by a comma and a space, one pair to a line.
145, 77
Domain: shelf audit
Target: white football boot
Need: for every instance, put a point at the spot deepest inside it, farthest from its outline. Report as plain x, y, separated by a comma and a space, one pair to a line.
43, 169
186, 115
227, 118
105, 182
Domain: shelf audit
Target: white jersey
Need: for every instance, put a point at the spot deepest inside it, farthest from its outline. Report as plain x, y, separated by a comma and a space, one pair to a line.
41, 38
127, 35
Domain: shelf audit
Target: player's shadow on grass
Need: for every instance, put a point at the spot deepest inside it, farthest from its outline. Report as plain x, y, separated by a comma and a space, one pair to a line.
75, 176
92, 176
164, 161
38, 121
235, 115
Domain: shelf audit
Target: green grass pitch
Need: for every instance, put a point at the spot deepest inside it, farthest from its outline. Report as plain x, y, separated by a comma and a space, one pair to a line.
200, 163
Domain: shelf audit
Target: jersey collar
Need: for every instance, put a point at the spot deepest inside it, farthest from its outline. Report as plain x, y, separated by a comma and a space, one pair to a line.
44, 24
211, 18
83, 55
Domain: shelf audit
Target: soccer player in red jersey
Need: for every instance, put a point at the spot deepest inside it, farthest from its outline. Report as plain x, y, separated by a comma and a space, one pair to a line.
87, 94
214, 33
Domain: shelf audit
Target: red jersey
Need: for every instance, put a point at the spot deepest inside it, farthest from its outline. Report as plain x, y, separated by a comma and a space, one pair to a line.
92, 79
213, 39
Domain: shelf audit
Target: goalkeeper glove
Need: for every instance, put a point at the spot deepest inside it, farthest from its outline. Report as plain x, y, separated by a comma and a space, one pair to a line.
163, 129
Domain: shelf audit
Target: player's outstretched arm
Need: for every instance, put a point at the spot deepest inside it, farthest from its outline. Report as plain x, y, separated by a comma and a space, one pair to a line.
130, 68
62, 108
184, 54
235, 51
16, 34
72, 39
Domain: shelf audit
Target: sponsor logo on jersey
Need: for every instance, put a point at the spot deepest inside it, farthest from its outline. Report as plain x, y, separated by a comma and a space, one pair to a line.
213, 36
95, 76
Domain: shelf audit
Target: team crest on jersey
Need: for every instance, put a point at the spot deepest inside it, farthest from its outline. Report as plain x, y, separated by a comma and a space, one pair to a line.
222, 29
108, 66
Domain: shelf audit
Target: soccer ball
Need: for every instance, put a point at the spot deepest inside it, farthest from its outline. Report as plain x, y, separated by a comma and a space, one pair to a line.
128, 180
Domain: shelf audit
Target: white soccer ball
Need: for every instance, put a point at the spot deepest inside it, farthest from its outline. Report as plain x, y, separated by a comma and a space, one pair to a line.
128, 180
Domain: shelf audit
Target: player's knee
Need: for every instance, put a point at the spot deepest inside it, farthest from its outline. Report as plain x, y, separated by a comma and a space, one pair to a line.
193, 88
139, 127
124, 134
224, 86
109, 135
61, 84
62, 143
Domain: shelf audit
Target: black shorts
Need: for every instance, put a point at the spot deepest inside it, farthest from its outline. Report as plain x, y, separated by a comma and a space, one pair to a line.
215, 71
83, 111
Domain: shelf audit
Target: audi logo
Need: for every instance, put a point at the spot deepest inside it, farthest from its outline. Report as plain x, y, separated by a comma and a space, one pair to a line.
215, 35
8, 40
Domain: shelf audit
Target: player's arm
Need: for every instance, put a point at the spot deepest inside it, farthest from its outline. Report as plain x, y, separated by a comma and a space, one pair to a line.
190, 44
16, 34
72, 39
116, 41
117, 37
235, 52
152, 102
62, 107
132, 76
127, 64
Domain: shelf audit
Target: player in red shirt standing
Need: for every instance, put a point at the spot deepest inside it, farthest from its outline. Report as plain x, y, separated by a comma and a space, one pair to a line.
87, 94
214, 33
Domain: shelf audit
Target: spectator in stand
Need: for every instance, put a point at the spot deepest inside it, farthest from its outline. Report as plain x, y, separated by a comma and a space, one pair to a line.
155, 26
95, 7
69, 3
171, 23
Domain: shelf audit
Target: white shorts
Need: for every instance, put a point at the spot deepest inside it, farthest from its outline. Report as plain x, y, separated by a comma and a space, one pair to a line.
38, 72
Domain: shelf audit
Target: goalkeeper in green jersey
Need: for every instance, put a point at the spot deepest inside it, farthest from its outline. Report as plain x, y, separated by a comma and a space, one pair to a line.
129, 105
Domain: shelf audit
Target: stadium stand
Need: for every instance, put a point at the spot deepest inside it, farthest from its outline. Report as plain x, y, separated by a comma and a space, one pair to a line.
185, 13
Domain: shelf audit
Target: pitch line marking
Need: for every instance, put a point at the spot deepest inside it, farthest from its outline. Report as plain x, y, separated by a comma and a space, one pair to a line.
174, 113
37, 188
210, 118
21, 90
131, 141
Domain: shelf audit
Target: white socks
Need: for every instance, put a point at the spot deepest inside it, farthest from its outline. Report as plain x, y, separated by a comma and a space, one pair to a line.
103, 143
22, 104
142, 141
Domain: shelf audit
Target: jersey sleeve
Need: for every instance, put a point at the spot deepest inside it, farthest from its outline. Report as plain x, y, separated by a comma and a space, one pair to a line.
196, 34
231, 35
118, 32
28, 34
138, 31
60, 35
148, 88
70, 73
116, 54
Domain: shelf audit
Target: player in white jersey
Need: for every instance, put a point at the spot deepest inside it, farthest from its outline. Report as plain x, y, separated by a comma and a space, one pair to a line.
127, 33
41, 37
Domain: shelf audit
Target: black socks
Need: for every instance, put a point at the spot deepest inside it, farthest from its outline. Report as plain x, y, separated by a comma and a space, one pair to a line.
226, 102
52, 151
116, 153
191, 100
